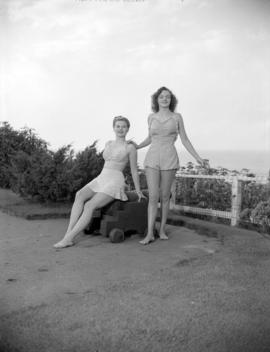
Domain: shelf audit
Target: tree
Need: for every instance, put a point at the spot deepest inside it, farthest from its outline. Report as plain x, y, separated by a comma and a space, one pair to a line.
54, 176
12, 141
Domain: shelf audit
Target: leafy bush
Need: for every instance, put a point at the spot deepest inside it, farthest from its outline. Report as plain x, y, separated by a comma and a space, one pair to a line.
216, 194
87, 164
12, 141
43, 175
54, 176
261, 215
204, 193
253, 193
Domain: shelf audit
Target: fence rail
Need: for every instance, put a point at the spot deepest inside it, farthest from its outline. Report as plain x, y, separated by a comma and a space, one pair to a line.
236, 196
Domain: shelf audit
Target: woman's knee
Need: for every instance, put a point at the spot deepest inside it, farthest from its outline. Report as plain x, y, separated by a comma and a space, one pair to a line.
81, 195
153, 198
165, 197
89, 206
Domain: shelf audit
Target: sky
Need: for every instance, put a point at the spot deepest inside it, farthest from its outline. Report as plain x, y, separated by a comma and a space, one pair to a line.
69, 66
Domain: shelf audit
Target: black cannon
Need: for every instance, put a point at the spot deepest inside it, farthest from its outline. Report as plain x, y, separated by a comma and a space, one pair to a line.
120, 218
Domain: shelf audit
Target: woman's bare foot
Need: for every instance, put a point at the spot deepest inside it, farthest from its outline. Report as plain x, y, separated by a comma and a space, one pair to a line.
147, 240
162, 236
63, 244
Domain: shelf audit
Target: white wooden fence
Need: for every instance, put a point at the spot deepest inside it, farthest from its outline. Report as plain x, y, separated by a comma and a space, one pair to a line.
236, 196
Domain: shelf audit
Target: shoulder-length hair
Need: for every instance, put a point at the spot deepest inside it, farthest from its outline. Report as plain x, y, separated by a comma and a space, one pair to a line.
173, 103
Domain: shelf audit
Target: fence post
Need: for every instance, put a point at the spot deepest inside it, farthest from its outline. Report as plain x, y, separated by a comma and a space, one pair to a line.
236, 200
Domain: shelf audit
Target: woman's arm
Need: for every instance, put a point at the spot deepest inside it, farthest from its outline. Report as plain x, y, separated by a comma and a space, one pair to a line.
146, 141
134, 169
186, 142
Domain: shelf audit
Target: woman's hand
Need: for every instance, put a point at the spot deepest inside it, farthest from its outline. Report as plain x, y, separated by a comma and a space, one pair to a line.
130, 141
140, 195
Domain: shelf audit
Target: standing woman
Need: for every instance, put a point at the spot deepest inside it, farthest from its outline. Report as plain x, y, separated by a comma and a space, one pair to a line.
161, 161
109, 185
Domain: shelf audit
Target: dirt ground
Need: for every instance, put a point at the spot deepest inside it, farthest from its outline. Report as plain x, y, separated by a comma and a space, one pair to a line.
200, 291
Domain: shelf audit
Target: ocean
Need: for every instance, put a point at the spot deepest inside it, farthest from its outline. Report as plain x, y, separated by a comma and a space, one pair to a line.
257, 162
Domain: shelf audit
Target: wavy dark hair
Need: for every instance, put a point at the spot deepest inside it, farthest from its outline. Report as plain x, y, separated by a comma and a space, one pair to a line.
173, 103
121, 118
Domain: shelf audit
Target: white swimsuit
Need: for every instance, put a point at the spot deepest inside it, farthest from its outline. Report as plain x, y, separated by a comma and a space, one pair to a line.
111, 180
162, 154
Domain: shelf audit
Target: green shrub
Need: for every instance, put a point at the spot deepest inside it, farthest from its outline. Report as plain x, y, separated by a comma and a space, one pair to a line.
253, 193
42, 175
54, 176
12, 141
261, 215
203, 193
86, 166
216, 194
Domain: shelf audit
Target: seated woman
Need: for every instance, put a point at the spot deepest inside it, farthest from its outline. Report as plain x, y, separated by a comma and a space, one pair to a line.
109, 185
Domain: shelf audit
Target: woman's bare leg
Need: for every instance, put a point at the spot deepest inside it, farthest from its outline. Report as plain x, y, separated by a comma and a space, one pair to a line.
167, 177
96, 202
153, 180
81, 197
